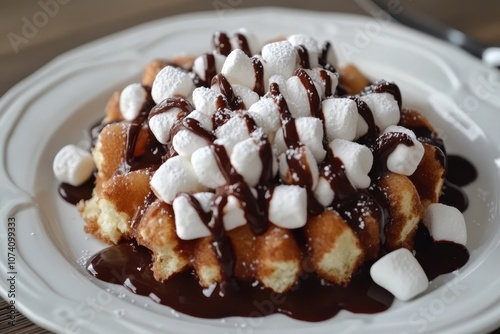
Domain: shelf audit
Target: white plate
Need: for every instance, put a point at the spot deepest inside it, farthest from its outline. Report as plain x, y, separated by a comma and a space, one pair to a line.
56, 105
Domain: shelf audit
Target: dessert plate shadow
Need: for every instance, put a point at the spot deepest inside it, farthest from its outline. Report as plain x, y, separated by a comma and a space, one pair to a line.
57, 104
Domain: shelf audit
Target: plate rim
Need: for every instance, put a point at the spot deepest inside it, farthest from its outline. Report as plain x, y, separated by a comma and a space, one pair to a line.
63, 59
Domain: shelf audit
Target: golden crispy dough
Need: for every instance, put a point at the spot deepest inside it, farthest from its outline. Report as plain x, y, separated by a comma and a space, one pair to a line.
369, 235
429, 176
207, 266
183, 61
278, 259
152, 70
205, 262
113, 112
109, 151
120, 198
334, 250
352, 79
413, 119
155, 66
243, 242
156, 231
404, 208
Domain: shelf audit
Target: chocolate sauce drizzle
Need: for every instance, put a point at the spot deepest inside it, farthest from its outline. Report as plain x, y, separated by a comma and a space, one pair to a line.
154, 151
303, 56
383, 147
221, 43
312, 93
232, 101
210, 70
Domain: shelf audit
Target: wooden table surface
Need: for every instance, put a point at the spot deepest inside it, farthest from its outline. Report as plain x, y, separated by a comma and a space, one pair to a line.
74, 22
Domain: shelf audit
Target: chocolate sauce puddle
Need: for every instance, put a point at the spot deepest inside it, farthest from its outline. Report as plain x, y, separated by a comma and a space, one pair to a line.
73, 195
460, 171
438, 257
311, 300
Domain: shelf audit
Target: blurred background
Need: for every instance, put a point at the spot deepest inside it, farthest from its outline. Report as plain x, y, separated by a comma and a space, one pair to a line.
70, 23
64, 24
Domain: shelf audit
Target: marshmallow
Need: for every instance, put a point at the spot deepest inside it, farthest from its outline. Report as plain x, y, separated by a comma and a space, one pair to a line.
234, 215
206, 167
132, 98
324, 193
357, 159
280, 58
310, 131
310, 44
307, 162
185, 142
252, 41
174, 176
316, 74
331, 57
238, 69
445, 223
280, 80
73, 165
341, 118
266, 115
400, 273
297, 97
171, 81
205, 100
161, 124
245, 158
361, 127
232, 132
188, 224
288, 206
200, 66
384, 107
248, 96
404, 159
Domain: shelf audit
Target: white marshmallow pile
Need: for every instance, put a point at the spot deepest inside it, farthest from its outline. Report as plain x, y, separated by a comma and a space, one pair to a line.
445, 223
73, 165
196, 169
280, 61
400, 273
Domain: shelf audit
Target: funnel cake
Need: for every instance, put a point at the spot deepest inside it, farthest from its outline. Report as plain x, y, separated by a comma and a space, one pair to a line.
261, 166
